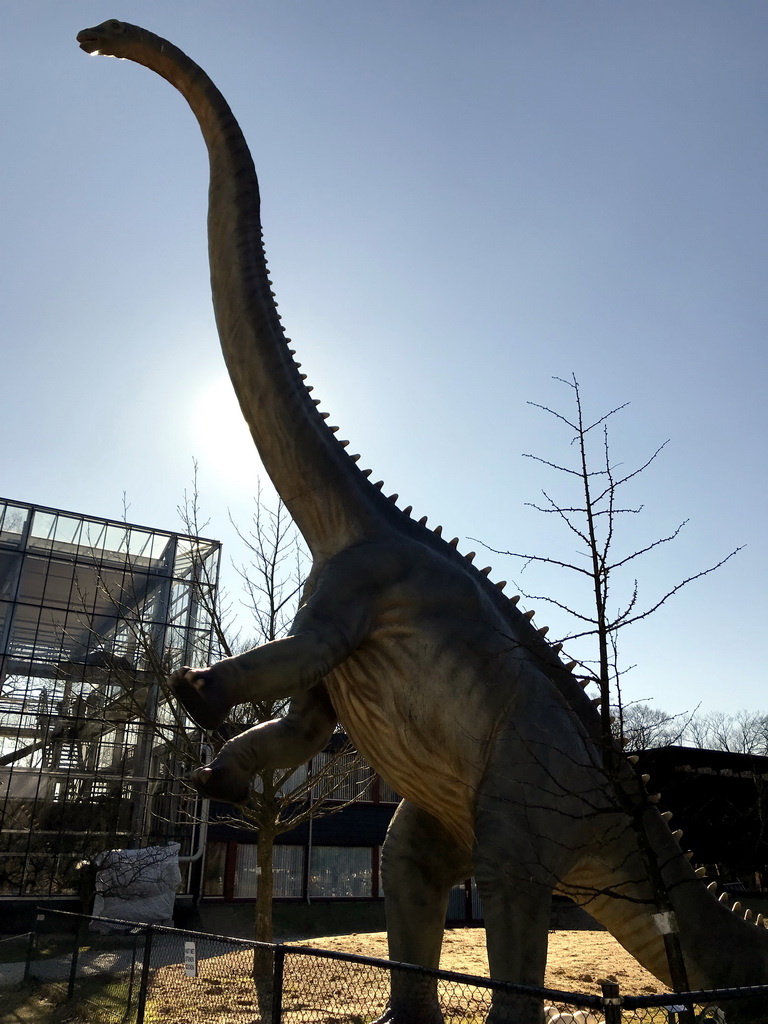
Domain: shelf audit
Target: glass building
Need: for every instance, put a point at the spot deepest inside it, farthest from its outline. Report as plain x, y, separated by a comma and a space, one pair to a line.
94, 615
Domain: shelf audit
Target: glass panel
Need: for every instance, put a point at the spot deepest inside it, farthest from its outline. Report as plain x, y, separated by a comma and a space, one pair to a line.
11, 874
338, 871
198, 646
213, 877
140, 543
457, 903
92, 537
33, 580
196, 558
477, 903
67, 530
181, 594
43, 525
59, 579
202, 619
341, 776
13, 520
246, 871
209, 560
387, 795
296, 779
186, 557
114, 539
121, 543
10, 562
288, 871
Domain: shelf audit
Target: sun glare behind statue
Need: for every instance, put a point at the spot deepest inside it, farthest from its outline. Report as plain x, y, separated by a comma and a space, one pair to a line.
222, 442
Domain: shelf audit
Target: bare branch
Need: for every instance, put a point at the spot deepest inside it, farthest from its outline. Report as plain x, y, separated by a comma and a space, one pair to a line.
651, 546
533, 558
683, 583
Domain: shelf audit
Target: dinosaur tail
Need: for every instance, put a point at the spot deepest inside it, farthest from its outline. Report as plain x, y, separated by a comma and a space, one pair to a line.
723, 945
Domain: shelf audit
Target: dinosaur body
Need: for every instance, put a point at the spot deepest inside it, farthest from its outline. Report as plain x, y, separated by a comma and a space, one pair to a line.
440, 681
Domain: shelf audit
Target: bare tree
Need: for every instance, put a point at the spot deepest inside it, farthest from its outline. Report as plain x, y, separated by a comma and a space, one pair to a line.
280, 801
744, 732
591, 519
647, 726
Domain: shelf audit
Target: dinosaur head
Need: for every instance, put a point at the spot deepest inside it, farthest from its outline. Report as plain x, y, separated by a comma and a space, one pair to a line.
111, 39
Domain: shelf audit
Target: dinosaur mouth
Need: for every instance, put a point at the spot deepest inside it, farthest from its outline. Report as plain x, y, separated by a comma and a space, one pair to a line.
88, 42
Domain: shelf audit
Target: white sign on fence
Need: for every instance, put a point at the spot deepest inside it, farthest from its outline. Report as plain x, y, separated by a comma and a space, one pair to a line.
666, 923
190, 959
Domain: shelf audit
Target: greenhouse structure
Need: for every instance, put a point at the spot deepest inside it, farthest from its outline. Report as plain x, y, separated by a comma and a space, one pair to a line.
94, 615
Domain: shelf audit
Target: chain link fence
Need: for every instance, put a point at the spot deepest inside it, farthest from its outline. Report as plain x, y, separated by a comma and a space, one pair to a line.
148, 974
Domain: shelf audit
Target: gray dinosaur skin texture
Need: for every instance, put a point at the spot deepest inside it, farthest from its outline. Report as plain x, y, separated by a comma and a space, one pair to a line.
448, 690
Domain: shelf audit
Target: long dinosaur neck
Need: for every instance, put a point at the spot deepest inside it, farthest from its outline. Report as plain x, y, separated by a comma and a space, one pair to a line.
327, 496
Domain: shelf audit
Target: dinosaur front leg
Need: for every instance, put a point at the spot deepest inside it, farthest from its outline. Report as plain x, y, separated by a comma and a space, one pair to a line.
270, 672
327, 628
282, 743
420, 862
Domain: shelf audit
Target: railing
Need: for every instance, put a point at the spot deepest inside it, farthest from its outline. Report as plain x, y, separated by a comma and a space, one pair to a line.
148, 973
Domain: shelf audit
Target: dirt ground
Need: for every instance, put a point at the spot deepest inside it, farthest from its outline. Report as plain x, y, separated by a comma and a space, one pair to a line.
223, 991
577, 960
313, 988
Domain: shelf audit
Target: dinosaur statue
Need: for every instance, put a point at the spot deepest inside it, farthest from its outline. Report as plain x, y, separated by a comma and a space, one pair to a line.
441, 682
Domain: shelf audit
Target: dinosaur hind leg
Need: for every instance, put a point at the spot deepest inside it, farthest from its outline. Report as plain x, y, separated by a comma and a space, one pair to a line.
285, 742
420, 863
531, 823
516, 892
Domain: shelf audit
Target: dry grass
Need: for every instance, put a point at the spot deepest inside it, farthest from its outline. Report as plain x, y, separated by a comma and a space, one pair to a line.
314, 987
577, 959
224, 991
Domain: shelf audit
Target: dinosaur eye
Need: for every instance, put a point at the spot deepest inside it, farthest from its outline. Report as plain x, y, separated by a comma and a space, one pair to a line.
115, 25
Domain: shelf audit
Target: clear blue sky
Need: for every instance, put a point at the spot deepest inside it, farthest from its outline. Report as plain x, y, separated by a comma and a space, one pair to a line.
461, 201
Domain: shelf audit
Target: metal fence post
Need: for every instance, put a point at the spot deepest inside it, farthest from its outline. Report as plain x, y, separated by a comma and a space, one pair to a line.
32, 941
80, 934
144, 983
28, 955
73, 964
132, 975
277, 985
611, 1002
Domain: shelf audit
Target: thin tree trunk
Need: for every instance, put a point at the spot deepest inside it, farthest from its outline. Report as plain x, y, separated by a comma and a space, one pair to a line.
264, 931
263, 966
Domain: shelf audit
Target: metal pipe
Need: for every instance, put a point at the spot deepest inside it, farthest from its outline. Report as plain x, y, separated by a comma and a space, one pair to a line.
201, 836
205, 807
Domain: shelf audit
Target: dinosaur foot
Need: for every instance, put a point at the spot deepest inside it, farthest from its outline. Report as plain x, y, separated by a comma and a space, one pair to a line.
411, 1013
507, 1008
200, 696
216, 783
